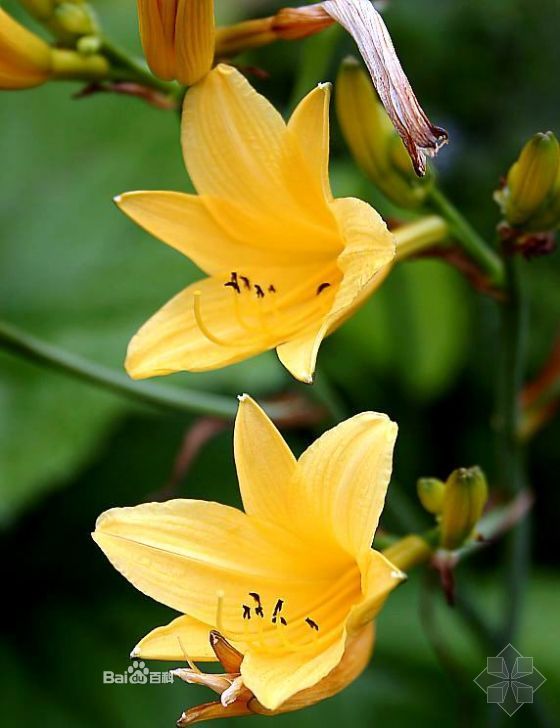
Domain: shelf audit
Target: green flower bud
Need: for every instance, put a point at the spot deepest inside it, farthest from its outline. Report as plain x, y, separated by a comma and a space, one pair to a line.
87, 45
465, 496
76, 18
372, 139
530, 200
430, 492
41, 9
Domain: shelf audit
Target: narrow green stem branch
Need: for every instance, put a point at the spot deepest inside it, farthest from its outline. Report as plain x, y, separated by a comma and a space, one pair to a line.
468, 238
511, 456
128, 68
174, 399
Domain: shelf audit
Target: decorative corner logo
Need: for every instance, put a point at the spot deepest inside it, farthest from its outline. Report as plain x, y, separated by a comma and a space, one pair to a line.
510, 680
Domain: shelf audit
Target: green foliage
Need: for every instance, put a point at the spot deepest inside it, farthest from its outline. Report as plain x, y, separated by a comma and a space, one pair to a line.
76, 272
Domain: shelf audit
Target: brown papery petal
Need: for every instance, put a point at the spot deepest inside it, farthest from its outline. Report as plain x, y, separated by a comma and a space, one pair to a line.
365, 25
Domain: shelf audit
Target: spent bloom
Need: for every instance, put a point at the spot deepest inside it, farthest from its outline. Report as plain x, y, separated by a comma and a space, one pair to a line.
363, 22
286, 263
25, 59
282, 594
178, 38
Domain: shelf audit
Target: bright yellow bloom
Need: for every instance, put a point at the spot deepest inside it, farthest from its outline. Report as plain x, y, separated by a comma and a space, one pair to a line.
286, 262
25, 59
178, 37
291, 583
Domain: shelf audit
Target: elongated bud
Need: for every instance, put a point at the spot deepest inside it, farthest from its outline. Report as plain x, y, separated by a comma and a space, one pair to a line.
287, 24
465, 496
430, 492
25, 59
178, 37
530, 199
372, 138
360, 18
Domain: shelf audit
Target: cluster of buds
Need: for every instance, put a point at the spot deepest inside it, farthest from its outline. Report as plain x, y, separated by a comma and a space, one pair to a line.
530, 196
373, 141
67, 19
26, 60
457, 504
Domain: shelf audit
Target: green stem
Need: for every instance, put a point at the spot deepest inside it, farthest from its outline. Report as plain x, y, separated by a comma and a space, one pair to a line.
511, 457
164, 397
129, 68
467, 236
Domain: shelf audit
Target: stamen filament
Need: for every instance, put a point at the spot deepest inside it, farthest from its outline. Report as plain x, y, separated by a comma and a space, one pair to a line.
202, 326
219, 613
189, 662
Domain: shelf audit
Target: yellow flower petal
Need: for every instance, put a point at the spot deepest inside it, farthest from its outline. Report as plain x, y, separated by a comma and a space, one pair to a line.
299, 355
310, 126
188, 554
184, 222
172, 341
265, 466
220, 241
368, 248
274, 678
25, 59
364, 263
237, 148
379, 578
344, 478
182, 638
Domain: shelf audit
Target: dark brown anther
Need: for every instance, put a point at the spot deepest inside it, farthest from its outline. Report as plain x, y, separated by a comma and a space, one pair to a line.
277, 610
258, 609
246, 612
233, 283
259, 291
246, 282
322, 287
283, 621
312, 624
271, 289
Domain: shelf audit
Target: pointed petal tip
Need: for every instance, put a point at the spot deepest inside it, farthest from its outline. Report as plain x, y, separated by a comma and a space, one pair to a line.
135, 652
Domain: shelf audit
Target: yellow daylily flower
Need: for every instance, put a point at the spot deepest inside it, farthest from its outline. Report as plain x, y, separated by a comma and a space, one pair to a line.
286, 263
178, 38
25, 59
290, 586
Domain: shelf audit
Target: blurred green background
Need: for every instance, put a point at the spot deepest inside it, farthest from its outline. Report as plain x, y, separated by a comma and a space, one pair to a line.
75, 272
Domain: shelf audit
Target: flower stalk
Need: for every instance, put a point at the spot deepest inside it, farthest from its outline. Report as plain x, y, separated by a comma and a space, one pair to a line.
173, 399
467, 237
510, 450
